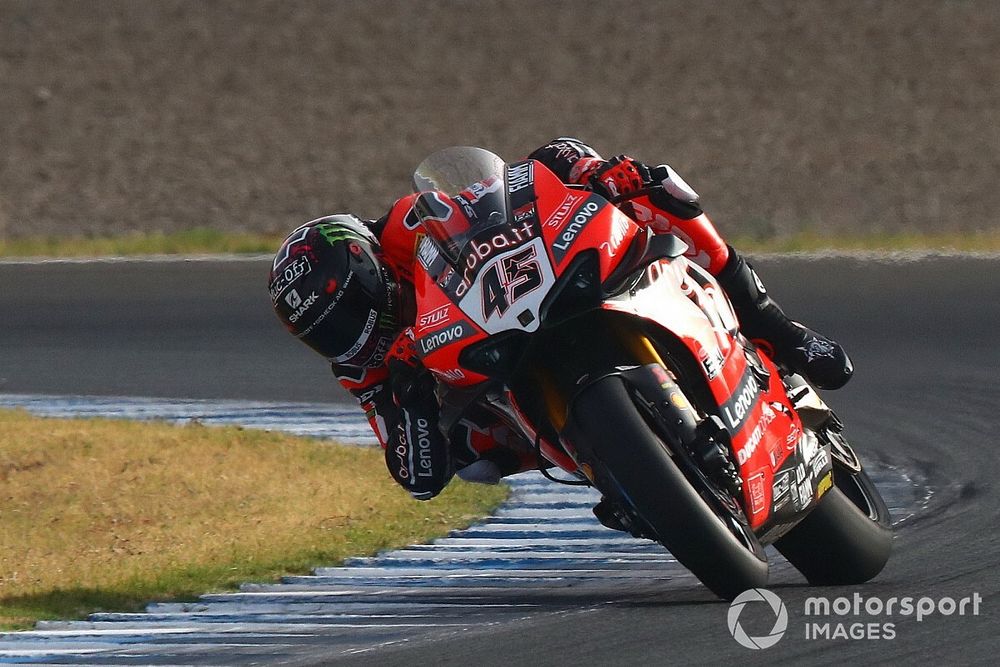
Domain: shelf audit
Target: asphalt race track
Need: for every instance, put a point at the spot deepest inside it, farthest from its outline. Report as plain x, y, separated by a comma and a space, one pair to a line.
922, 334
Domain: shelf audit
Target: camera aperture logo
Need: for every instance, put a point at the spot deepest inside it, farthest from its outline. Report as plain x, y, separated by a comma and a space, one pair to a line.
776, 607
842, 618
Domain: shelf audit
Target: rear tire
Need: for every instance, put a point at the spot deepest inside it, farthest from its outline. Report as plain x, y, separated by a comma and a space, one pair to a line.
847, 538
612, 436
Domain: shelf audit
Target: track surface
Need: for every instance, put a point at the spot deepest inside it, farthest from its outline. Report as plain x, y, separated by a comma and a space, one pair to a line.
922, 335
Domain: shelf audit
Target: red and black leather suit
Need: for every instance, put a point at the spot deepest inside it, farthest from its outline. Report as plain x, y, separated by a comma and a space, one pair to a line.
419, 457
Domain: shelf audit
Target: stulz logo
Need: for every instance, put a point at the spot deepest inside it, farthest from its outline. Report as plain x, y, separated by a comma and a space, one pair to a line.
451, 334
435, 316
563, 211
295, 301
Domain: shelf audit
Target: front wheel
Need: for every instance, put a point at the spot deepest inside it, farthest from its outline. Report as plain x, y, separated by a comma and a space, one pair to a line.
846, 539
611, 435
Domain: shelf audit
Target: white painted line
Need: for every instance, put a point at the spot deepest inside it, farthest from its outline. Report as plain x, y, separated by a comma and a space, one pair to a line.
529, 543
38, 653
343, 423
151, 629
7, 636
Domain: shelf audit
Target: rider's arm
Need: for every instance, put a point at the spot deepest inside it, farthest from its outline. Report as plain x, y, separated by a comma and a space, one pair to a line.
399, 402
370, 386
667, 212
668, 204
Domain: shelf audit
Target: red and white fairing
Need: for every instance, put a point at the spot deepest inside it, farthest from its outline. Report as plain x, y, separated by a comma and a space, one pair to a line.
476, 279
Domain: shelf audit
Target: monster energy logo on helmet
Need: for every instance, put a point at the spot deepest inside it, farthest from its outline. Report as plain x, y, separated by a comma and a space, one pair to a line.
333, 232
343, 227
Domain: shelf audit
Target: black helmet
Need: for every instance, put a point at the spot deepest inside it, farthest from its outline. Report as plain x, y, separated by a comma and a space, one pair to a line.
331, 289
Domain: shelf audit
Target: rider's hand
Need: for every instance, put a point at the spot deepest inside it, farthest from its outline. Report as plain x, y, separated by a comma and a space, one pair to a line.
619, 176
409, 380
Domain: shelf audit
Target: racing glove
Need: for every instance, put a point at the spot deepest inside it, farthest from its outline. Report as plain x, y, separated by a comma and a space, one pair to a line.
618, 177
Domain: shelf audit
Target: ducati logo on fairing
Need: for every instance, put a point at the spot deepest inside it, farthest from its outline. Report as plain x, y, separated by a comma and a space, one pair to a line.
767, 416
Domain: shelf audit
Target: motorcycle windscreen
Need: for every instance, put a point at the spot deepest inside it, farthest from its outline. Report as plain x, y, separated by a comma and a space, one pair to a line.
461, 194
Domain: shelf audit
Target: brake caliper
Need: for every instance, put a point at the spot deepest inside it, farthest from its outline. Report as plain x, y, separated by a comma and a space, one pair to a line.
711, 453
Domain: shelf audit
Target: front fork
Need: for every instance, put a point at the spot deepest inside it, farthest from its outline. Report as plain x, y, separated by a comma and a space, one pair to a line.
703, 442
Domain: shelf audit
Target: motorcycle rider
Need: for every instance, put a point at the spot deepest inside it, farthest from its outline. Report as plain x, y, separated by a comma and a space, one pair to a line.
344, 287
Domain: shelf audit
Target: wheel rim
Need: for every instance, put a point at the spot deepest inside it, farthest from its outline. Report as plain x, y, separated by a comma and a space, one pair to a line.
724, 507
728, 510
847, 473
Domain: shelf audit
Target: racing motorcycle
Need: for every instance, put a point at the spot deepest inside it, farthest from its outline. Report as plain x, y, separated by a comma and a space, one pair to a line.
622, 361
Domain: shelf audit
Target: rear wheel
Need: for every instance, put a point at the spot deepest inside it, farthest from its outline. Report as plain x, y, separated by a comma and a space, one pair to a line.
846, 539
705, 533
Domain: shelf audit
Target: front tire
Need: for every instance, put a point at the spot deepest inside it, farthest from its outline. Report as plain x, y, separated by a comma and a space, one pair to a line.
611, 435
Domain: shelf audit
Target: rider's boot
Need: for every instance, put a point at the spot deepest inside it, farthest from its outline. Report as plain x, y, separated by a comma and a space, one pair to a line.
817, 358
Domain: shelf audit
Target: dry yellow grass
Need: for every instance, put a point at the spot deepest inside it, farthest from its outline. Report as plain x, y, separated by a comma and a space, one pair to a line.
99, 514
